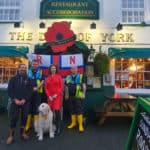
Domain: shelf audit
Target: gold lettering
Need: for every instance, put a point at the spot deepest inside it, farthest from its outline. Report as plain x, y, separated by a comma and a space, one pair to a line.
111, 37
69, 4
29, 36
119, 37
20, 36
84, 36
12, 35
41, 36
80, 36
71, 12
104, 36
87, 37
129, 37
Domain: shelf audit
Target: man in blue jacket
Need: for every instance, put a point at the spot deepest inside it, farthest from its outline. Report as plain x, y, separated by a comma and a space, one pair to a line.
37, 79
19, 89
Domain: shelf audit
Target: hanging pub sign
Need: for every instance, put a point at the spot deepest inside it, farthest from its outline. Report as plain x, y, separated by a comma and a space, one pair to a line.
69, 9
64, 62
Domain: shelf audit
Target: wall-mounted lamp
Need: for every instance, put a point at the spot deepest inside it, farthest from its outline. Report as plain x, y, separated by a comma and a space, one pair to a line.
17, 25
92, 53
70, 22
93, 25
42, 25
119, 26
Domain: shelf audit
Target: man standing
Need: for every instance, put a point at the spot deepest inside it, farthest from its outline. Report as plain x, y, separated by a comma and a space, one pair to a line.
76, 84
37, 81
19, 88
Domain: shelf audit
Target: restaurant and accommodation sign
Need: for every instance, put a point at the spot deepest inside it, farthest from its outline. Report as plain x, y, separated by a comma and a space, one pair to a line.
69, 9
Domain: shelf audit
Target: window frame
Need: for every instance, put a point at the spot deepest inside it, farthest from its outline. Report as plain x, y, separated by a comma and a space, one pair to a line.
10, 7
133, 10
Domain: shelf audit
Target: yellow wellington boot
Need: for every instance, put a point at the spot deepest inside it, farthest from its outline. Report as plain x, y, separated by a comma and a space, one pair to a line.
80, 121
28, 123
73, 122
36, 118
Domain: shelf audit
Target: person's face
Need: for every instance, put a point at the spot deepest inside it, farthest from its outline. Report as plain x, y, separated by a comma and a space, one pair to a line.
53, 69
22, 69
34, 65
74, 70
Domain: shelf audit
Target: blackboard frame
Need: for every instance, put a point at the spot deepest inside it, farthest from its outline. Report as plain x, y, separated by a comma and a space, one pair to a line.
143, 104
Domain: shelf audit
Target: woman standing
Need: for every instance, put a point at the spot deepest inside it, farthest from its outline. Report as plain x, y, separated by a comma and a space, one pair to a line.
54, 89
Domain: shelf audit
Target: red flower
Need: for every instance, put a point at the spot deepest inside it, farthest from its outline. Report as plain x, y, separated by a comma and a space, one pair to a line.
59, 36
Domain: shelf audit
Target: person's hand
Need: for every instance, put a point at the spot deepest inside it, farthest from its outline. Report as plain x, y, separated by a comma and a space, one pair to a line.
50, 98
22, 101
55, 96
18, 102
83, 96
35, 89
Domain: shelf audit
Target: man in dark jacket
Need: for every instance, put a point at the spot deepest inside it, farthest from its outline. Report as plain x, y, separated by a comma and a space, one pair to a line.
19, 89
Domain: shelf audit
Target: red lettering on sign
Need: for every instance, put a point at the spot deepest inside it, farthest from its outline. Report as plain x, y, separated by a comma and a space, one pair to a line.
39, 59
72, 60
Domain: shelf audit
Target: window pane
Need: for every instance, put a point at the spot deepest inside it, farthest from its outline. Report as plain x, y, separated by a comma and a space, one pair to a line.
12, 14
1, 2
6, 14
10, 68
12, 3
124, 16
124, 4
17, 14
135, 73
141, 4
17, 2
1, 14
141, 16
136, 18
135, 3
130, 4
130, 16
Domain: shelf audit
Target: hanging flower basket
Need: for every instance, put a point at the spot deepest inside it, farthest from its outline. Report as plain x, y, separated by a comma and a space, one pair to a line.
101, 64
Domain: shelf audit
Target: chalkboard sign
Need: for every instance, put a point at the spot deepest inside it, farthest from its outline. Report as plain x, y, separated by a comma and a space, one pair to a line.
139, 134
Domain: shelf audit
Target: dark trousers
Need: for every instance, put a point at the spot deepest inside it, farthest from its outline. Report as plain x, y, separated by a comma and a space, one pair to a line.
75, 105
34, 103
16, 111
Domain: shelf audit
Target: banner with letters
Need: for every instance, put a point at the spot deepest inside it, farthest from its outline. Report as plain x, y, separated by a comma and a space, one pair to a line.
64, 62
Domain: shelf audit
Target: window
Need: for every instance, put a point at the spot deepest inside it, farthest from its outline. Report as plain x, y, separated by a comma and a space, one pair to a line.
133, 11
132, 73
92, 80
10, 10
8, 67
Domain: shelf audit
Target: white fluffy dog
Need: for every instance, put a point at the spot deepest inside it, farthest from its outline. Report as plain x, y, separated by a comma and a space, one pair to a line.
45, 122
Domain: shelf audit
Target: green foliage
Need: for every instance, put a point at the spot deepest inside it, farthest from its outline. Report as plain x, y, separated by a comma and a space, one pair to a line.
101, 63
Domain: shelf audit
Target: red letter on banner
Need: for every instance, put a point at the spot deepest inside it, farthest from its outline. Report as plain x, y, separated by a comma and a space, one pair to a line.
39, 59
72, 59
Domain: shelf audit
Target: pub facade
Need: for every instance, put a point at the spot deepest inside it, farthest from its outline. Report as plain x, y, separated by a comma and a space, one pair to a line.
120, 30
